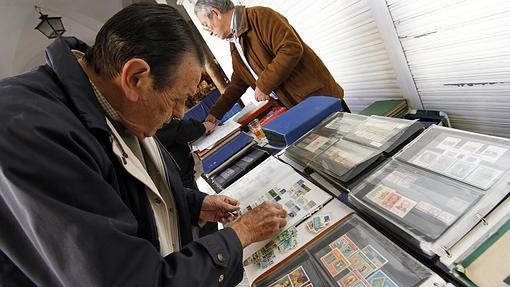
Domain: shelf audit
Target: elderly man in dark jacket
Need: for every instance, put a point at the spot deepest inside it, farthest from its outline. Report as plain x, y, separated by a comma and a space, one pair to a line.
87, 196
267, 55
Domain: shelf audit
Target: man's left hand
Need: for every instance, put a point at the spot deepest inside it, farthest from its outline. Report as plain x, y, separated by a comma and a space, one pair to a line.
209, 127
260, 96
219, 208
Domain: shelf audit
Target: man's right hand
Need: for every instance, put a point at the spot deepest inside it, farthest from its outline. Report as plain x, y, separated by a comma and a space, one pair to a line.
263, 222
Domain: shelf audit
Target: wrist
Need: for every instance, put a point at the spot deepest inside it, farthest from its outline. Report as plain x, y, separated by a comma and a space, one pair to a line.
241, 232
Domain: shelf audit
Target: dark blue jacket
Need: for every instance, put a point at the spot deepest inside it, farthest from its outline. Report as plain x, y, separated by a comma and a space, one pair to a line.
70, 215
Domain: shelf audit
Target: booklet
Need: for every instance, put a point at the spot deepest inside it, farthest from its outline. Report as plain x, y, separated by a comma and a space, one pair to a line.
273, 180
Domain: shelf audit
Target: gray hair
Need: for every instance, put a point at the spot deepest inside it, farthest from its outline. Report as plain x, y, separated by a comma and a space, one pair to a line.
206, 6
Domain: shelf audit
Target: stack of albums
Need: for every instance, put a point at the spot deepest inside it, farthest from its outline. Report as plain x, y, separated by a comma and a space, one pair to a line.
237, 168
344, 144
323, 244
438, 188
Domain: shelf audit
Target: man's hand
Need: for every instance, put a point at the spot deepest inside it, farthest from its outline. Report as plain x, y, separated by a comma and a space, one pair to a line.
210, 118
260, 96
260, 223
209, 127
218, 208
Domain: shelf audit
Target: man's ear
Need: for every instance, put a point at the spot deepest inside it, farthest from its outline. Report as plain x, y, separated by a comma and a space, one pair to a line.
217, 12
135, 78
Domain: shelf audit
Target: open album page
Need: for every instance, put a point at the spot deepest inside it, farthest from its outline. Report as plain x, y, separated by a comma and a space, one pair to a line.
273, 180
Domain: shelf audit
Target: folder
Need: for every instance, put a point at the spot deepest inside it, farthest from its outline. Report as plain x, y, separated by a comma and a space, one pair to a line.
252, 111
298, 120
200, 111
226, 153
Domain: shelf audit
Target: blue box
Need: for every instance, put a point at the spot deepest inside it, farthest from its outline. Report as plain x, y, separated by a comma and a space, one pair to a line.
298, 120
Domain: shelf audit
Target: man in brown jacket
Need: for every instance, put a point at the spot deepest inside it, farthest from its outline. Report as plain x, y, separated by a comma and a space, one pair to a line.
267, 55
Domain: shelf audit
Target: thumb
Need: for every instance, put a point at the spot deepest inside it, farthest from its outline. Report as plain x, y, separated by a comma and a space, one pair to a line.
229, 204
230, 200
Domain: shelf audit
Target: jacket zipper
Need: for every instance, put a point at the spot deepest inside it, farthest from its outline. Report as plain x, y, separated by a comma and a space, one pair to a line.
162, 166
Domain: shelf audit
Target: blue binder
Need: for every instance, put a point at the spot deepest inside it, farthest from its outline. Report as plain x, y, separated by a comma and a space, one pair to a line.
301, 118
229, 151
200, 111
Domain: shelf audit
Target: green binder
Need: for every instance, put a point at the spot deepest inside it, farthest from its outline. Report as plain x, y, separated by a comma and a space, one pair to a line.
386, 108
479, 260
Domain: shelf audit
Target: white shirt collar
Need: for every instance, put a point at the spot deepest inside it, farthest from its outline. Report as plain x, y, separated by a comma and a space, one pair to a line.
232, 27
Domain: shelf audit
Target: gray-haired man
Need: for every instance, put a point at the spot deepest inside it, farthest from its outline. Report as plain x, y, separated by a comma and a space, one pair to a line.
267, 55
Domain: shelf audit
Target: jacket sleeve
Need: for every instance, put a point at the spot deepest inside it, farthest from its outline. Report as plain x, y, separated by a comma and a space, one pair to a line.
194, 199
233, 92
64, 224
181, 131
283, 41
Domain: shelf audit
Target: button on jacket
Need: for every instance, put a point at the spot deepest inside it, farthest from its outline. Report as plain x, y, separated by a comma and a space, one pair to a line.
71, 214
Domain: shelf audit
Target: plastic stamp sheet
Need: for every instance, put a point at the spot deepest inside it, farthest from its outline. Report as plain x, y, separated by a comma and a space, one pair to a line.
423, 203
475, 159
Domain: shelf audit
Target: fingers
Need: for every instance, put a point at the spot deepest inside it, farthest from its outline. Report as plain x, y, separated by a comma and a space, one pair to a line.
278, 208
211, 119
209, 127
229, 206
275, 225
261, 98
229, 217
282, 213
230, 200
276, 211
224, 220
260, 223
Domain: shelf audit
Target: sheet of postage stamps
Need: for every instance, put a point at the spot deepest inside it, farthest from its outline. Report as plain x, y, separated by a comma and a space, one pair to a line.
353, 279
360, 262
318, 222
374, 256
296, 278
380, 279
345, 245
335, 262
390, 200
483, 176
351, 265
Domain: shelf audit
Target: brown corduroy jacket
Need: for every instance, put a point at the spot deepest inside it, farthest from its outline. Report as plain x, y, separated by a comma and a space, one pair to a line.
280, 58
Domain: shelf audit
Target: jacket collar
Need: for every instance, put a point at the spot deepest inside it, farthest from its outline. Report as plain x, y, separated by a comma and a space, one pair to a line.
241, 24
75, 82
